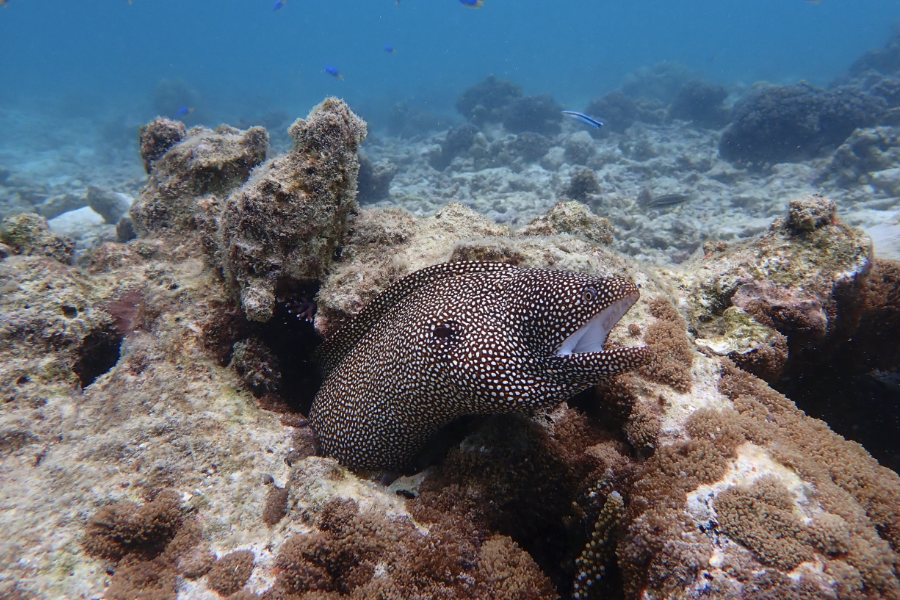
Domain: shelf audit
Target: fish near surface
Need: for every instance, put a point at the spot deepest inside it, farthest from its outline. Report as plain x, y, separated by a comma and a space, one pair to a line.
459, 339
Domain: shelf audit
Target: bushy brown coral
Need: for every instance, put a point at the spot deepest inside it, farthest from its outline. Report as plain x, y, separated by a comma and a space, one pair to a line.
761, 518
519, 480
671, 351
276, 505
231, 572
126, 528
857, 494
146, 543
339, 560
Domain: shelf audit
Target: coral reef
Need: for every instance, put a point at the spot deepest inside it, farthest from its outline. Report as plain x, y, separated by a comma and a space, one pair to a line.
573, 218
500, 101
281, 228
527, 146
885, 60
617, 111
811, 300
582, 187
864, 155
689, 478
487, 100
776, 124
157, 137
537, 114
701, 103
457, 140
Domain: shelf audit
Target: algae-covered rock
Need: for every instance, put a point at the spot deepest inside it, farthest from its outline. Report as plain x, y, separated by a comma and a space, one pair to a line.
281, 228
28, 234
574, 218
201, 163
804, 278
157, 137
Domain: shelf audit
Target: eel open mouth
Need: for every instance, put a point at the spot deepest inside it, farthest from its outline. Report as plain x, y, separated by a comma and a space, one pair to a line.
591, 336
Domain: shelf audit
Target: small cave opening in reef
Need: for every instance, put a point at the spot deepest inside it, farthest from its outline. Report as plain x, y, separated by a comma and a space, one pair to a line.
98, 354
291, 338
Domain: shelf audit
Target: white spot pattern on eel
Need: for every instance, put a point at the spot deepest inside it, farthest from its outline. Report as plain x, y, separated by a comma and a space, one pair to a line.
464, 338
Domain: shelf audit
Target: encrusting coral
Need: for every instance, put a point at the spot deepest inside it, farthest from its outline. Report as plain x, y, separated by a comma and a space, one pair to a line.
145, 544
231, 572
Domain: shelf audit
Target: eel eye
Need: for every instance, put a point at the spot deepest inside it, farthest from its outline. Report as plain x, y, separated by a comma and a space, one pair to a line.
589, 294
443, 331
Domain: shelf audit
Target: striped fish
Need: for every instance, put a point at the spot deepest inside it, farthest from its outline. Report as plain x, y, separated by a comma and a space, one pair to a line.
583, 118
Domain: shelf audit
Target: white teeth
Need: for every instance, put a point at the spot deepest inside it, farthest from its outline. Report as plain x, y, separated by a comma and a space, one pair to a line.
591, 336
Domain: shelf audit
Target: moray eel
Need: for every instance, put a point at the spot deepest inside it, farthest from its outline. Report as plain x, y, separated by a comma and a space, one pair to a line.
459, 339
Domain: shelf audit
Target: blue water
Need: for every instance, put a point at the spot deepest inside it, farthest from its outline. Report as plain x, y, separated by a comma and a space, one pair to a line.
106, 57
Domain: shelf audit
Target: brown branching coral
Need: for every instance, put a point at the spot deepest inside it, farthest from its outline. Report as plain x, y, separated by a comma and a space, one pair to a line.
856, 536
276, 505
671, 351
339, 560
231, 572
762, 519
146, 542
126, 528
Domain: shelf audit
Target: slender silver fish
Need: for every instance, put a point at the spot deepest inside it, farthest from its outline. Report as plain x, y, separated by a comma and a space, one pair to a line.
583, 118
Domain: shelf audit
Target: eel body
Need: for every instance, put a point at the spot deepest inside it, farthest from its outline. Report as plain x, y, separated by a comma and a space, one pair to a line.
458, 339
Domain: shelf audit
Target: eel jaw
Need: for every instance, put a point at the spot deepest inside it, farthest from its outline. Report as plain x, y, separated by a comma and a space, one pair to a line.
591, 336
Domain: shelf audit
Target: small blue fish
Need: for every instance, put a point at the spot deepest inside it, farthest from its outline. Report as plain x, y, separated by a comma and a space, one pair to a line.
185, 111
390, 50
472, 3
333, 72
583, 118
279, 4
